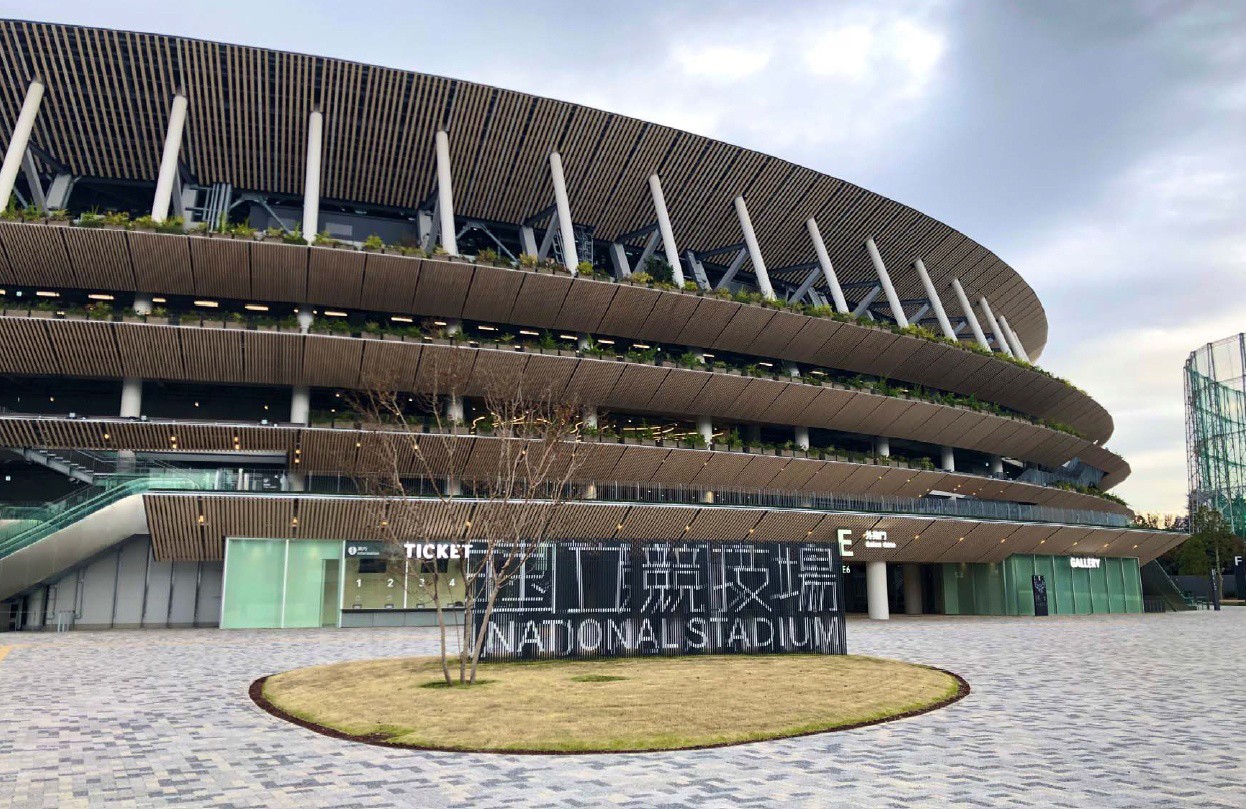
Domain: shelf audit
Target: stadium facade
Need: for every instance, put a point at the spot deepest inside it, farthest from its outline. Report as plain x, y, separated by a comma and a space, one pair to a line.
1215, 396
209, 247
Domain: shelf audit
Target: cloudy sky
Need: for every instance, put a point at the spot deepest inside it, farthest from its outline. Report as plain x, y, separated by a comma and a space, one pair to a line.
1096, 146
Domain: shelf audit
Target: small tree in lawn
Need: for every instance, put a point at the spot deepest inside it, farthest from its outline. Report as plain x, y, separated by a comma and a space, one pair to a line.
501, 493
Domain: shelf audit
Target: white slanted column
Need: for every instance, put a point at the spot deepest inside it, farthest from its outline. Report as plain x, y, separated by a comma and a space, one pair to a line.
882, 446
931, 295
754, 250
445, 196
19, 141
311, 181
705, 426
664, 226
570, 258
912, 589
963, 300
884, 280
1014, 341
876, 590
1001, 344
947, 459
166, 180
828, 271
802, 438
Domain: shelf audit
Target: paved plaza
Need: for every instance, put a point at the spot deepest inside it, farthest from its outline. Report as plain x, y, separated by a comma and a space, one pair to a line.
1089, 711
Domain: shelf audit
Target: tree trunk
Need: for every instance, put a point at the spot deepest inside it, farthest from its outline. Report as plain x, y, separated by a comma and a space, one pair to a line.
479, 645
441, 624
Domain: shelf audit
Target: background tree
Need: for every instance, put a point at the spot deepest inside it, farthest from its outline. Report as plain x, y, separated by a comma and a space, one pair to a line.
524, 456
1210, 545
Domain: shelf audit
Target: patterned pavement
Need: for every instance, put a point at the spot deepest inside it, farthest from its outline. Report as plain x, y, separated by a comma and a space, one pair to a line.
1076, 711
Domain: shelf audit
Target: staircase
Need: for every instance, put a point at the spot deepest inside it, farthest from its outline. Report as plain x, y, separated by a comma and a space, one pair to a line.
62, 463
1157, 584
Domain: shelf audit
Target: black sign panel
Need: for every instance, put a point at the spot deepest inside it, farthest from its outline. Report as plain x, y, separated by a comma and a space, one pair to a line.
621, 599
1039, 583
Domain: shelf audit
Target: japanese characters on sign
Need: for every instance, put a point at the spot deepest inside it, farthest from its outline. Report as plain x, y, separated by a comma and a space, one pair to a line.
619, 599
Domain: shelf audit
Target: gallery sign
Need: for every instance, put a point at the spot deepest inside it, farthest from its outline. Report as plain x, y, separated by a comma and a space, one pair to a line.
1085, 562
623, 599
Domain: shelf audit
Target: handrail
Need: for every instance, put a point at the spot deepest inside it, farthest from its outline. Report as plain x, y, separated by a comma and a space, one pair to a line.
79, 504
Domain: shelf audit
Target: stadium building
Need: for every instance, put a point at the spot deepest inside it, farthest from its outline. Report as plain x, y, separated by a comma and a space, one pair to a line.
209, 247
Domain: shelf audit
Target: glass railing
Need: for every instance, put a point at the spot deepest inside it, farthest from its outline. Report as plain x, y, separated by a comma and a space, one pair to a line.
33, 524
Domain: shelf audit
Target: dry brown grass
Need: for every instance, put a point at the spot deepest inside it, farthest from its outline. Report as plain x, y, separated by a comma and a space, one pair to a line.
559, 706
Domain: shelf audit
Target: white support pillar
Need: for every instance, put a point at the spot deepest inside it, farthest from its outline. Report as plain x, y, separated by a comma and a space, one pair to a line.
754, 250
882, 446
997, 466
37, 197
618, 257
802, 438
590, 416
311, 181
19, 141
969, 315
912, 589
664, 226
165, 181
300, 404
705, 426
1014, 342
527, 240
143, 304
445, 195
828, 271
876, 590
570, 258
305, 319
1001, 344
947, 460
454, 410
931, 295
131, 398
893, 300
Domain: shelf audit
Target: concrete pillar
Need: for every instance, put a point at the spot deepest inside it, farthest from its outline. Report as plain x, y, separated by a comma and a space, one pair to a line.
876, 590
527, 241
948, 460
142, 304
590, 416
618, 258
933, 296
664, 226
828, 271
131, 398
997, 466
311, 181
1014, 342
300, 404
19, 141
445, 195
754, 250
969, 315
305, 319
1001, 344
884, 280
912, 589
454, 410
802, 438
165, 181
882, 446
570, 257
705, 426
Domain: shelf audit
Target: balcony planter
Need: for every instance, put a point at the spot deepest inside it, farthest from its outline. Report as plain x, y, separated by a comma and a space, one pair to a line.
213, 324
42, 314
155, 320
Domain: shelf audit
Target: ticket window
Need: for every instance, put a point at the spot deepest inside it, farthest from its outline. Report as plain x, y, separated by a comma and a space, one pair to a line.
445, 574
373, 584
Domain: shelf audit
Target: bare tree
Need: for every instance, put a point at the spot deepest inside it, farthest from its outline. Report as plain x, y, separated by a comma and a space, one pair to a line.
509, 473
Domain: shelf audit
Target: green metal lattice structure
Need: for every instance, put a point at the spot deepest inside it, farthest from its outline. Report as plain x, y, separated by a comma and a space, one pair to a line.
1215, 399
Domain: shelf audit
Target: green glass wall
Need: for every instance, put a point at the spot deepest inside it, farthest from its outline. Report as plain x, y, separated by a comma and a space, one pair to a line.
273, 583
1007, 588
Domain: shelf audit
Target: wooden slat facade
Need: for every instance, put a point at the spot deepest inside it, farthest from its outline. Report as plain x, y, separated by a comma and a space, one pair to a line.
108, 94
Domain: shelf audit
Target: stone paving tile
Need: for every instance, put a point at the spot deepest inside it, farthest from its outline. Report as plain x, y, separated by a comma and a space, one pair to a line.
1101, 711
